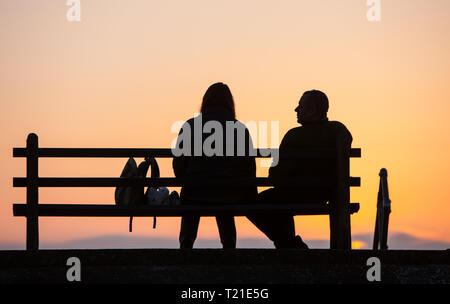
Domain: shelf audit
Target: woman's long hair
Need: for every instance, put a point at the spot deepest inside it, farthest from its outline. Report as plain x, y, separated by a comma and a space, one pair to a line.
218, 94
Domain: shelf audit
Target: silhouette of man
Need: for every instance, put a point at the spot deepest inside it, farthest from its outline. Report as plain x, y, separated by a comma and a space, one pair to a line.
316, 132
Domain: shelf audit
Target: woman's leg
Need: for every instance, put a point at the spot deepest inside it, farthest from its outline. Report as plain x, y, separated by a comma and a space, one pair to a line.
188, 231
227, 231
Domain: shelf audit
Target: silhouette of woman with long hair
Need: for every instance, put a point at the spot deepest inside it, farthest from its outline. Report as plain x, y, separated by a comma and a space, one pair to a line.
217, 106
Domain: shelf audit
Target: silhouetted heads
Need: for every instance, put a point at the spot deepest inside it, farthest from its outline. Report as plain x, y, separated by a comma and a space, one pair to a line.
312, 107
218, 95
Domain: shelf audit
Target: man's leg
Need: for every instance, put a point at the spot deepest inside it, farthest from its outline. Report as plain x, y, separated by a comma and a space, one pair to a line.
227, 231
280, 229
188, 231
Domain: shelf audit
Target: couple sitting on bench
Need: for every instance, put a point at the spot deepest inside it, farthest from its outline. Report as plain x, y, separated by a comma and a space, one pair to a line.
316, 132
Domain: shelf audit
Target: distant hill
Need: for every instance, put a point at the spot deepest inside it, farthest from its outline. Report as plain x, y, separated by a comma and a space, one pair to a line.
364, 241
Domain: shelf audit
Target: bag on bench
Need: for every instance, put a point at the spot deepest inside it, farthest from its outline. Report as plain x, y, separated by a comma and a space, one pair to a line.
134, 195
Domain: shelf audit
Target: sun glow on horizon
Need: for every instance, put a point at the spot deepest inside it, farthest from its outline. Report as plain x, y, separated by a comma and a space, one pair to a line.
359, 245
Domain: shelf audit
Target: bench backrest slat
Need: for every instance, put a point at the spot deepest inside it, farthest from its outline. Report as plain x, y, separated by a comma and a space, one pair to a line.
166, 152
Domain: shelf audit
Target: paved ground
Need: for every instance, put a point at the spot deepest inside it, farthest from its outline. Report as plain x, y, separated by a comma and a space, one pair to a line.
202, 266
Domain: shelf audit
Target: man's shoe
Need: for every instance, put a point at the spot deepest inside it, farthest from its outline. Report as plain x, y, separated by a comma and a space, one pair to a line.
299, 244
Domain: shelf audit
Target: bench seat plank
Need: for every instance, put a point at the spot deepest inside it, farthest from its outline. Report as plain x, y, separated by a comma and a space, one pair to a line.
103, 210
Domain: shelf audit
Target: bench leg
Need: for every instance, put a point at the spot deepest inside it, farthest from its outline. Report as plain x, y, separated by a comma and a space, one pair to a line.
340, 231
32, 193
32, 233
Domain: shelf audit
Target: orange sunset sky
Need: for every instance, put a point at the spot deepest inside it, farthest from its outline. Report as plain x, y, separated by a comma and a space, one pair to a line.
129, 69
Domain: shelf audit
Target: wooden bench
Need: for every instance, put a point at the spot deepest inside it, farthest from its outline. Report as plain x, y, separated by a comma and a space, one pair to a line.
339, 208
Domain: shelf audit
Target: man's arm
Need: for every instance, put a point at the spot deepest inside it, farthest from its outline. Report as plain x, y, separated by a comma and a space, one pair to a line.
343, 140
276, 170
